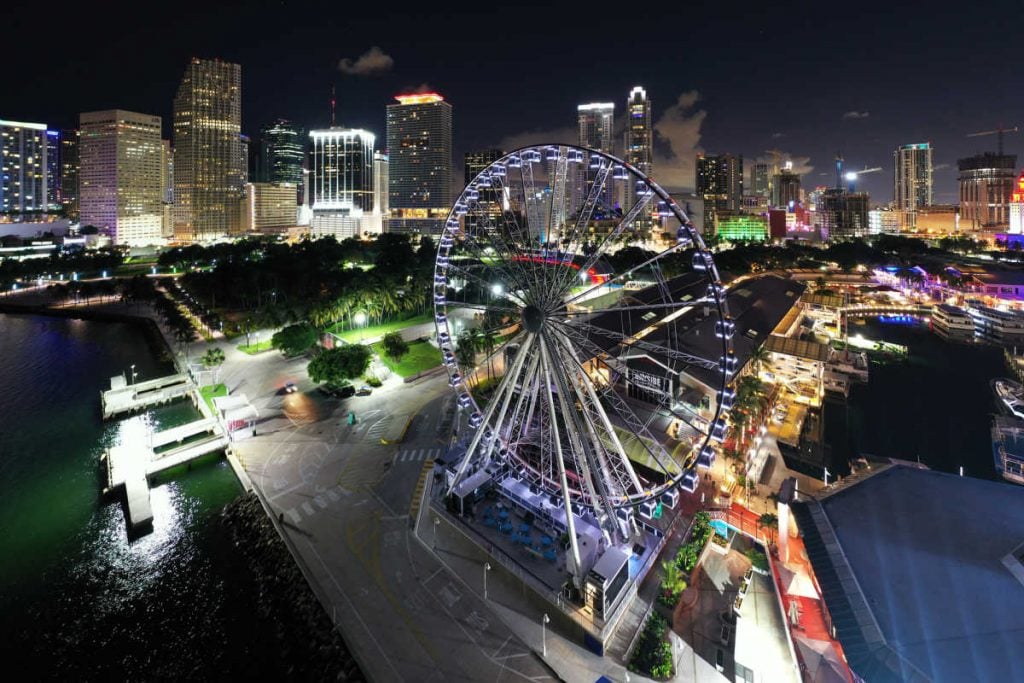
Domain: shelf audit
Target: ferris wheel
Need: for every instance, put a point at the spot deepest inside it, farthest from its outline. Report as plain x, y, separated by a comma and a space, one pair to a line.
574, 346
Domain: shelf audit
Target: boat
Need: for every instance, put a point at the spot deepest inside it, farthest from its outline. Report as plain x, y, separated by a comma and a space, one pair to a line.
952, 322
1010, 396
1008, 448
998, 327
853, 365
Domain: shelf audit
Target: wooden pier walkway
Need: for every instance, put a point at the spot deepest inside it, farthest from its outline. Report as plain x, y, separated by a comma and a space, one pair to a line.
125, 398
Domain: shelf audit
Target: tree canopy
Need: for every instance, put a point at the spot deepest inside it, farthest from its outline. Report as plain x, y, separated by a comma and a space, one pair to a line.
335, 366
395, 347
294, 339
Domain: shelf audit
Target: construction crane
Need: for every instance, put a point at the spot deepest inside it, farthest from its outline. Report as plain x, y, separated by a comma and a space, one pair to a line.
998, 131
851, 176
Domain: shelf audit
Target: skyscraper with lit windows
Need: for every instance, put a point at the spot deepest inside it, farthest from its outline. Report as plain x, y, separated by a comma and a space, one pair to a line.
23, 148
720, 185
69, 166
912, 179
596, 122
209, 170
419, 137
120, 178
341, 174
639, 140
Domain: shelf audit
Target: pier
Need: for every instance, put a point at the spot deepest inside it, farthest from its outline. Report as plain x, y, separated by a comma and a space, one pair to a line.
123, 397
130, 465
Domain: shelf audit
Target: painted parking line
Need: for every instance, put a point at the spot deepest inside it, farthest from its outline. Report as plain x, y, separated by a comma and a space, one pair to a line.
308, 508
333, 496
295, 516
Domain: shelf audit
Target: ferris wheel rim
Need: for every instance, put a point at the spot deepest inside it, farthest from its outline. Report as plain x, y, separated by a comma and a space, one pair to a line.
453, 231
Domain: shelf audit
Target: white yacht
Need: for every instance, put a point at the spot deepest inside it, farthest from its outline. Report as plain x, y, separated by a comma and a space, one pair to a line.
1010, 395
952, 320
999, 327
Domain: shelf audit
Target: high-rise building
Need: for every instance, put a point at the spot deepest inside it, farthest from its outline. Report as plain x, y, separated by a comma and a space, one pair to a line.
69, 166
912, 179
840, 214
282, 149
120, 188
53, 191
760, 179
596, 125
209, 171
167, 188
419, 136
720, 185
23, 187
269, 207
1017, 207
785, 188
246, 143
475, 162
380, 184
986, 183
639, 143
341, 182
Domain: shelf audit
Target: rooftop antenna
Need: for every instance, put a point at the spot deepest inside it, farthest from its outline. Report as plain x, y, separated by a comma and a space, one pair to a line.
333, 105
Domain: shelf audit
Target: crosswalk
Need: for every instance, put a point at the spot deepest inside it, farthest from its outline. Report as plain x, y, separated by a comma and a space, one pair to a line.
316, 504
379, 428
417, 454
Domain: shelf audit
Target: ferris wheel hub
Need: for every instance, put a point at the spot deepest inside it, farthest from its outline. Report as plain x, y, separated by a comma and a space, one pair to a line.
533, 318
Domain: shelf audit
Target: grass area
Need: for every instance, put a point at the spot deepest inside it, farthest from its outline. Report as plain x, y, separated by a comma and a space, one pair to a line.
637, 452
212, 391
258, 347
374, 331
422, 356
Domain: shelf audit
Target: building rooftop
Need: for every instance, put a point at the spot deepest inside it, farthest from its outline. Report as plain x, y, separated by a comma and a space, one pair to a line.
791, 346
823, 299
1000, 277
921, 572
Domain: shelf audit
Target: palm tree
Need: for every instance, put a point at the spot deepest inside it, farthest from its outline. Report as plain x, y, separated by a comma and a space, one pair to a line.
769, 521
213, 358
465, 352
758, 357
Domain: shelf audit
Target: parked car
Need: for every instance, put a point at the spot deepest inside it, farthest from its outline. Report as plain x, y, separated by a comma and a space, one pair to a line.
290, 388
343, 391
364, 390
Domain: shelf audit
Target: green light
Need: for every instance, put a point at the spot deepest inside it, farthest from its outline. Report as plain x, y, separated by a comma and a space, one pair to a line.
743, 228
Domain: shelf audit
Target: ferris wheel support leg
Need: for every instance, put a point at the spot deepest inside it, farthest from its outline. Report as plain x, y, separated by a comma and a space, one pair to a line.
517, 365
570, 521
509, 379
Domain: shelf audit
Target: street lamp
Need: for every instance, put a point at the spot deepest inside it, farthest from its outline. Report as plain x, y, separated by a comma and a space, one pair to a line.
359, 319
487, 568
437, 523
133, 373
496, 289
543, 634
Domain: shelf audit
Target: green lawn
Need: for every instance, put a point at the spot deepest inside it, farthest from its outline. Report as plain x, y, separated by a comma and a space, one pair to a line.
212, 391
422, 356
258, 347
637, 452
374, 331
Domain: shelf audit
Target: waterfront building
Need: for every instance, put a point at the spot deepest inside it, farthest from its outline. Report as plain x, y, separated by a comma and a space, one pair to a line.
746, 227
209, 169
53, 190
69, 167
986, 184
419, 139
269, 208
841, 215
720, 185
951, 531
121, 192
912, 180
282, 151
639, 144
23, 183
341, 181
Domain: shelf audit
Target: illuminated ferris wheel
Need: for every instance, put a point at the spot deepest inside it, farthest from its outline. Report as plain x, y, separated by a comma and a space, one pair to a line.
574, 360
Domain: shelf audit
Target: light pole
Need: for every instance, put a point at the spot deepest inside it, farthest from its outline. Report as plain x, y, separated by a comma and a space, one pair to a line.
544, 635
437, 523
360, 320
487, 568
133, 373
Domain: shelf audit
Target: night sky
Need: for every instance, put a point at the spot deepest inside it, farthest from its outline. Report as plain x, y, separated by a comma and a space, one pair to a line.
738, 77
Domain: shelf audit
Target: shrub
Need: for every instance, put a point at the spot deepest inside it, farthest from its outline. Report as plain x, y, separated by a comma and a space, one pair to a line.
373, 382
757, 558
653, 653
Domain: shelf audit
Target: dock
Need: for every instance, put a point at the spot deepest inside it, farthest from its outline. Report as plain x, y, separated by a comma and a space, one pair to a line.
131, 464
123, 397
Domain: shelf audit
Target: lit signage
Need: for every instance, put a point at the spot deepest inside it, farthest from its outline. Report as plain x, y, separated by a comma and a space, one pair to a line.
1018, 193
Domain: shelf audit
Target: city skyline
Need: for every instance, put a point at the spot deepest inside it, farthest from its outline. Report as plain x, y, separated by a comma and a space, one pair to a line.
697, 102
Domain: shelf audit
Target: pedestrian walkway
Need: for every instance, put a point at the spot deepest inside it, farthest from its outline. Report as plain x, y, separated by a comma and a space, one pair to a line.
359, 473
316, 504
417, 454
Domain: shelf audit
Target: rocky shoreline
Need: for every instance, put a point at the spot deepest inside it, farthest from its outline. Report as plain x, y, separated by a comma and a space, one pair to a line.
287, 613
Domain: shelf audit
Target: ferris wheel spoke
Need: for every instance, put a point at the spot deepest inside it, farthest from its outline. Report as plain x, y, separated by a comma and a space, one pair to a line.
480, 306
501, 265
634, 212
580, 226
654, 259
579, 333
574, 317
470, 274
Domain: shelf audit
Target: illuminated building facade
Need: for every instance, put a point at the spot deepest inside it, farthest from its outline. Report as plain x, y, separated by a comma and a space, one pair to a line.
53, 190
120, 176
269, 207
419, 138
342, 182
23, 180
720, 185
282, 149
69, 166
912, 179
490, 198
986, 183
745, 227
760, 179
842, 215
639, 143
209, 169
596, 123
884, 222
380, 183
1017, 207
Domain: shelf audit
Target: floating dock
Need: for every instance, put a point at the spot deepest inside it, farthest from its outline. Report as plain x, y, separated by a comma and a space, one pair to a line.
126, 398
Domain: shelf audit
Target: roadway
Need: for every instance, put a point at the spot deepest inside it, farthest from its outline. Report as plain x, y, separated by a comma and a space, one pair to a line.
341, 499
